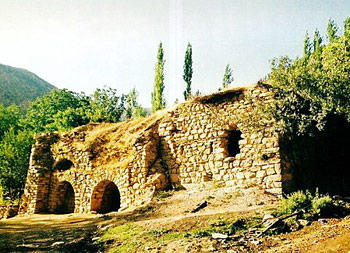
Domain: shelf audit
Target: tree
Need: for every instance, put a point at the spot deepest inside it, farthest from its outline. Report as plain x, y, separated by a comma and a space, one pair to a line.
106, 106
317, 42
45, 113
307, 45
14, 161
188, 71
158, 100
332, 30
133, 109
228, 77
347, 28
9, 117
306, 94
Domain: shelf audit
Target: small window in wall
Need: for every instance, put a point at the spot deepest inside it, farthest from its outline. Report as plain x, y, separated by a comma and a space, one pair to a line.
64, 164
233, 142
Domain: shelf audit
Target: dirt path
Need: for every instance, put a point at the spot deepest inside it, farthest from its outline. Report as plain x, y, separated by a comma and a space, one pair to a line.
76, 233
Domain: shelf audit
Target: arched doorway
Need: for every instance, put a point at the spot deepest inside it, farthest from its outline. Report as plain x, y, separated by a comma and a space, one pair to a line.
65, 198
105, 197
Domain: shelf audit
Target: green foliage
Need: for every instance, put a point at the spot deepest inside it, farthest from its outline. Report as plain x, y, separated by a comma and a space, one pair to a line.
163, 195
14, 160
295, 201
106, 106
317, 43
133, 109
188, 71
228, 77
9, 117
158, 100
307, 45
309, 89
347, 28
133, 238
226, 227
313, 205
53, 112
19, 86
62, 110
332, 30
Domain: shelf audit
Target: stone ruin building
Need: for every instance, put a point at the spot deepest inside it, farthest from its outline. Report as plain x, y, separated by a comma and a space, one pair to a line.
104, 167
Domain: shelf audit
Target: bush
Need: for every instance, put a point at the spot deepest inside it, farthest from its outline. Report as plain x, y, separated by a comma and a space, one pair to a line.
294, 201
316, 205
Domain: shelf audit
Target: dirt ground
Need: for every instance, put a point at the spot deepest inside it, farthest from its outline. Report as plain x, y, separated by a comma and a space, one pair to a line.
76, 232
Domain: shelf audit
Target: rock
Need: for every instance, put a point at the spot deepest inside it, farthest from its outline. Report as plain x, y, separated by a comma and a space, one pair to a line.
106, 227
267, 217
255, 242
57, 244
219, 236
323, 221
303, 222
28, 246
95, 238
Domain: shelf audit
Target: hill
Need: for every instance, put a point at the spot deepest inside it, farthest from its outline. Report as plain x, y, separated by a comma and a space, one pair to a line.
20, 86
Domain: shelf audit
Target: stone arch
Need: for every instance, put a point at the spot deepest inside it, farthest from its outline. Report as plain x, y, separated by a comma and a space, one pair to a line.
105, 197
65, 198
63, 164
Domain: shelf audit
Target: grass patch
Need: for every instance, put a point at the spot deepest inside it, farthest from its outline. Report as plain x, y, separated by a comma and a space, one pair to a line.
227, 227
164, 194
130, 237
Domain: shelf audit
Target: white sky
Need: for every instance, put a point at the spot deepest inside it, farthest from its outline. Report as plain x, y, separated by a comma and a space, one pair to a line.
85, 44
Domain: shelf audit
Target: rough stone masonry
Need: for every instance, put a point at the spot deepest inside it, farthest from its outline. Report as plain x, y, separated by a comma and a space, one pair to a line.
105, 167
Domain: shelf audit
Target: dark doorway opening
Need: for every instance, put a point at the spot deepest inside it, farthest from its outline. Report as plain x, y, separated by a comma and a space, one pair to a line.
105, 197
234, 137
66, 198
321, 161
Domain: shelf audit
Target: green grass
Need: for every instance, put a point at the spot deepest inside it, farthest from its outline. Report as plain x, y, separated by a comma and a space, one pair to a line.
313, 205
163, 195
130, 237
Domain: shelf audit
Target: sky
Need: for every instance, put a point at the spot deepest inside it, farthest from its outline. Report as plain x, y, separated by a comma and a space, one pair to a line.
82, 45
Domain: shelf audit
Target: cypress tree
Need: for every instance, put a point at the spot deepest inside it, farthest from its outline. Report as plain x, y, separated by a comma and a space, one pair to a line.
188, 71
158, 100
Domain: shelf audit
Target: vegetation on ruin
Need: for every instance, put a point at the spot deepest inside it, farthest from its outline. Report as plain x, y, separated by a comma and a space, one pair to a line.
228, 77
310, 88
59, 110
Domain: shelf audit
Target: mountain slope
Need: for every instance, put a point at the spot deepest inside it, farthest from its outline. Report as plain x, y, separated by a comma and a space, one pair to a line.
19, 86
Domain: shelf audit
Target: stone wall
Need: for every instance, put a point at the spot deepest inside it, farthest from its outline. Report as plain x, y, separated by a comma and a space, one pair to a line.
190, 144
195, 143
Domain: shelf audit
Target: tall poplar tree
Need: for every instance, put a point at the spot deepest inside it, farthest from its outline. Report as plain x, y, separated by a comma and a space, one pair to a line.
158, 100
307, 45
347, 28
228, 77
332, 30
188, 71
317, 42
